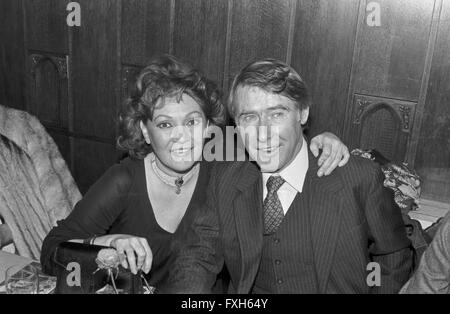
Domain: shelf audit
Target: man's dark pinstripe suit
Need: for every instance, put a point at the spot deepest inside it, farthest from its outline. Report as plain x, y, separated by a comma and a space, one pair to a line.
353, 220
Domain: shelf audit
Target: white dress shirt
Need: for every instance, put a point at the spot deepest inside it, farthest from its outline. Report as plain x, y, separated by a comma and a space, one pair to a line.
294, 176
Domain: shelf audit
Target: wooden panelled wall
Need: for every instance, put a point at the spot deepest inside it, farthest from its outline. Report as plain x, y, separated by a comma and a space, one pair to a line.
383, 87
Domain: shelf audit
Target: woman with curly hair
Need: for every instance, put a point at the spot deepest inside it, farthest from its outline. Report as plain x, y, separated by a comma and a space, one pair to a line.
152, 196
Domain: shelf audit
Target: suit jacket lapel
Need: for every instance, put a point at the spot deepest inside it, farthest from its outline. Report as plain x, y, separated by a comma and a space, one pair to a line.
249, 225
325, 218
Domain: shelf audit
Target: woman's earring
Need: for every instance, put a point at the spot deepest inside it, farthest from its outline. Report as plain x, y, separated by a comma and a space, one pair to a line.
206, 132
144, 131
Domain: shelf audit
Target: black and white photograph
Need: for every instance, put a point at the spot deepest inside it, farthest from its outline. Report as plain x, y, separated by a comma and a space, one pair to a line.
233, 148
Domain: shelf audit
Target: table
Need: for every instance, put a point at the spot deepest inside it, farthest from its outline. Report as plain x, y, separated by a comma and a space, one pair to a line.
7, 260
428, 212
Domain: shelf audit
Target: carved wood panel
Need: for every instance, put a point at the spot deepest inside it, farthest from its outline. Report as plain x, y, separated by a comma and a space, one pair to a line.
48, 88
383, 124
129, 75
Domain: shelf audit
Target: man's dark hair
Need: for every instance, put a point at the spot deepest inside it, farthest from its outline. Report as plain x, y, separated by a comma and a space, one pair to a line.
274, 77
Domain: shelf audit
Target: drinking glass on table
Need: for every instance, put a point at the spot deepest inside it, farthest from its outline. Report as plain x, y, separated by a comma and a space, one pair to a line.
21, 280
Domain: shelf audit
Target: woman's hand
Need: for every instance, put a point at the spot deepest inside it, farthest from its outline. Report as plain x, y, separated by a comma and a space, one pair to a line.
334, 152
136, 250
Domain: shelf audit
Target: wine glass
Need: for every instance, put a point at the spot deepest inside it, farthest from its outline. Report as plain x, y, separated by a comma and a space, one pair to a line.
21, 280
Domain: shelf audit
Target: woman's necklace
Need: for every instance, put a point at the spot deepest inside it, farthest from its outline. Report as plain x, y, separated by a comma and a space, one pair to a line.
176, 182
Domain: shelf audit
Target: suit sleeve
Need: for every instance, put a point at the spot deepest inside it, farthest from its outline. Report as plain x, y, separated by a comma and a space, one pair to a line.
433, 273
92, 215
389, 245
198, 255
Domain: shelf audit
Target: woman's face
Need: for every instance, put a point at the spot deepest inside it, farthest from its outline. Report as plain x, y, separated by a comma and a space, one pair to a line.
176, 133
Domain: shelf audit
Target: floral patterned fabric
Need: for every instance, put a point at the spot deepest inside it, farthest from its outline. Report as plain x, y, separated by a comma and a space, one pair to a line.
400, 178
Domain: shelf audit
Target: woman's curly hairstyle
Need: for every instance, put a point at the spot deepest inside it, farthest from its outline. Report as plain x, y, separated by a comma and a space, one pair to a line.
165, 76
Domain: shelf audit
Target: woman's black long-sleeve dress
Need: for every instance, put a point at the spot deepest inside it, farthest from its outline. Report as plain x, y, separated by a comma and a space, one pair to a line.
118, 203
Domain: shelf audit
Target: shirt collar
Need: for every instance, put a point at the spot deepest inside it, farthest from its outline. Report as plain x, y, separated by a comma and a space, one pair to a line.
294, 174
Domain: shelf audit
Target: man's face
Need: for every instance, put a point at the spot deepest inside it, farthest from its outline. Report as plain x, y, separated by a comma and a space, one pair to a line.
270, 126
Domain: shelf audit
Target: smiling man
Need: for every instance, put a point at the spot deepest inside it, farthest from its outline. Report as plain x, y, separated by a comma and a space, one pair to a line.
278, 227
271, 127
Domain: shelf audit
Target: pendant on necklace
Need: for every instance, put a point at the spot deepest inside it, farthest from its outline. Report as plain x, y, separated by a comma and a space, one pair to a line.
178, 183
